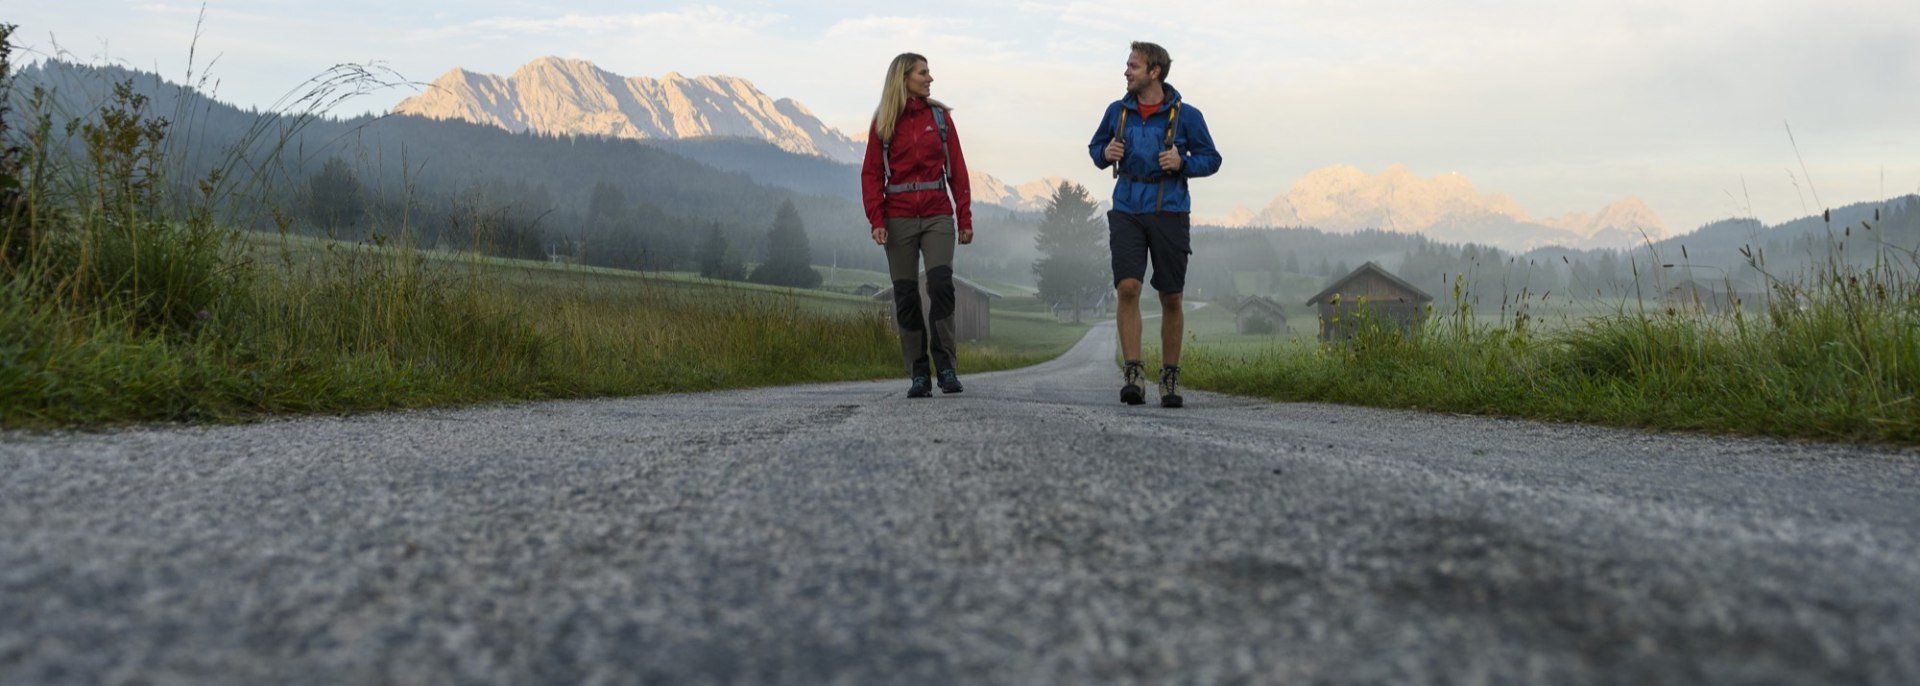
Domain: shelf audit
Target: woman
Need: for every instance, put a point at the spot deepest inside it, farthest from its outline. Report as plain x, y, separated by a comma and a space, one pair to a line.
913, 164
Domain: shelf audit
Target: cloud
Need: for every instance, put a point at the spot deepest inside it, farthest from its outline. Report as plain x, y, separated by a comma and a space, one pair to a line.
705, 21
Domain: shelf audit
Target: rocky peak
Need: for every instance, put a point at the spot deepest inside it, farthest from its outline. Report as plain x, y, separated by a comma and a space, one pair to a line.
554, 95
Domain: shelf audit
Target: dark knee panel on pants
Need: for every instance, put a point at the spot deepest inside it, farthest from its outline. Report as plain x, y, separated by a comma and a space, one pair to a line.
940, 292
906, 305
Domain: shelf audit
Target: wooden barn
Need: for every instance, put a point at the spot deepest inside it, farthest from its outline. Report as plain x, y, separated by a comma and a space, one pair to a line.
972, 307
1259, 314
1694, 297
1387, 297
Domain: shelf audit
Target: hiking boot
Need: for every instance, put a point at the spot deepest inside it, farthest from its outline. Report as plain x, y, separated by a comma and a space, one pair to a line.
950, 381
1170, 386
1134, 392
921, 388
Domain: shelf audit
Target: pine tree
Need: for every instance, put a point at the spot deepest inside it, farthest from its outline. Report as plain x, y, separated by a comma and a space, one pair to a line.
334, 200
713, 254
789, 257
1071, 240
605, 207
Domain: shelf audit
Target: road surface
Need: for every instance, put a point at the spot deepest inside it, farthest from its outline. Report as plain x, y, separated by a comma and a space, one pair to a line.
1030, 530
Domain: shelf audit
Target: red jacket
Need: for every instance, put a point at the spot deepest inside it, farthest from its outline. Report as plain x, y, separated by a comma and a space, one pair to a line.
916, 157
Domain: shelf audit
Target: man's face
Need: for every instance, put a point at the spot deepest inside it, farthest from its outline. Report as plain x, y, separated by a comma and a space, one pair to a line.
1138, 77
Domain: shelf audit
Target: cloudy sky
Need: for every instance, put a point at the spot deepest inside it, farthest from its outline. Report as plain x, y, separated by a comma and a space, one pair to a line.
1565, 105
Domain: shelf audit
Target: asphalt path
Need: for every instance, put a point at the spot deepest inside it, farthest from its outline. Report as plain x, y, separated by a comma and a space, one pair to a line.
1029, 530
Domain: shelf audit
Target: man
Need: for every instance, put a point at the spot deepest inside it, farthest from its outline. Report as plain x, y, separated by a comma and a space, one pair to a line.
1155, 143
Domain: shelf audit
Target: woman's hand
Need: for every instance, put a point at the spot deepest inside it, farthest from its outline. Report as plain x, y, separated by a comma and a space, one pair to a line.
879, 235
966, 236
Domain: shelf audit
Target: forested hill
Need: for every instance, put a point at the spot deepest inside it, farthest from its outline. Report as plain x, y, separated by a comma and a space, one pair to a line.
448, 166
766, 163
1859, 231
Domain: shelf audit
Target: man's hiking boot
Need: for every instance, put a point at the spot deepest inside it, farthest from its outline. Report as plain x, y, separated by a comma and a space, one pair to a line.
921, 388
1134, 392
950, 381
1170, 386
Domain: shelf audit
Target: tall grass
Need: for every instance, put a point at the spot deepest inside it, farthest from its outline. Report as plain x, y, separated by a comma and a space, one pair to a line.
1833, 354
125, 295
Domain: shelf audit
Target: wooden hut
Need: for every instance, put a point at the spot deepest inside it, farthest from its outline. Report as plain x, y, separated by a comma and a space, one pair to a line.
1259, 314
1388, 298
1694, 297
866, 289
972, 307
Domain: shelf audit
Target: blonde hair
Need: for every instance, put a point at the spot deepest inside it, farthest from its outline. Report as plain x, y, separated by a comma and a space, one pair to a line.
893, 94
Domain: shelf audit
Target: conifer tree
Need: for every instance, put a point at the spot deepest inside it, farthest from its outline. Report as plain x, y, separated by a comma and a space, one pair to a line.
1071, 240
789, 257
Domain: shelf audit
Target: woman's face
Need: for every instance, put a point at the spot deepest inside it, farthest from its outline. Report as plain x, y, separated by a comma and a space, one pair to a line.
919, 80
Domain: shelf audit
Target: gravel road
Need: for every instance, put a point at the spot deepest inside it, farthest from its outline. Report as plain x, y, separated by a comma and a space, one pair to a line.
1030, 530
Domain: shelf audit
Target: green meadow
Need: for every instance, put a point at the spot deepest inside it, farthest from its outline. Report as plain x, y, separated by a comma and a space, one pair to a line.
1832, 355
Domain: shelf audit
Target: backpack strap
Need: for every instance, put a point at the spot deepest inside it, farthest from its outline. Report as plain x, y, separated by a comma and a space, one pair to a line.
1173, 120
940, 122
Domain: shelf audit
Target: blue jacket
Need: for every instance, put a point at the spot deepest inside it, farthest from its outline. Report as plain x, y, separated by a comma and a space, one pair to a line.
1142, 186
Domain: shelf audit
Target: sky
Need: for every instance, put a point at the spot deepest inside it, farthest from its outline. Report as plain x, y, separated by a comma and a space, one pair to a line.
1566, 106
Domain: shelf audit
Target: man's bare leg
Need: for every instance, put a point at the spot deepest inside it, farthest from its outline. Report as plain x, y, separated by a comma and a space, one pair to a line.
1128, 318
1173, 326
1133, 391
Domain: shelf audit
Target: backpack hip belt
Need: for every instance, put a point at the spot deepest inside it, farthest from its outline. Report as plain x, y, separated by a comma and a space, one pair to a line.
915, 187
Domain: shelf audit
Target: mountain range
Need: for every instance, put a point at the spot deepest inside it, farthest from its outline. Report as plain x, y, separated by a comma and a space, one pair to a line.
557, 96
1445, 208
1031, 196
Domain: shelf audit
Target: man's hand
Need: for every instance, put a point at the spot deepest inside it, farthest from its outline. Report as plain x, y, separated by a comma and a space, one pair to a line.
1116, 150
1170, 160
966, 236
879, 235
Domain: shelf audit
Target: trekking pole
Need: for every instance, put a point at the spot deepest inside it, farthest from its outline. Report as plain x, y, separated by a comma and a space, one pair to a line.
1120, 135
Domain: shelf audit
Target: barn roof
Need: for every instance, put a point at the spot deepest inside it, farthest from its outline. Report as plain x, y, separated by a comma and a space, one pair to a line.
958, 280
1419, 295
1258, 301
1699, 287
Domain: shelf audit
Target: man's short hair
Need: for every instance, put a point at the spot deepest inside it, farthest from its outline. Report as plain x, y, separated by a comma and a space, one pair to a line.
1154, 56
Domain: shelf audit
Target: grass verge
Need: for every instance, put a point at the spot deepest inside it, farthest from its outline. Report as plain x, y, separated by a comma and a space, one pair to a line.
1834, 356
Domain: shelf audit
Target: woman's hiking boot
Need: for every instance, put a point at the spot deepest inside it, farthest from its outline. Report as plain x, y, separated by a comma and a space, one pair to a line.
1134, 392
921, 388
1170, 386
950, 381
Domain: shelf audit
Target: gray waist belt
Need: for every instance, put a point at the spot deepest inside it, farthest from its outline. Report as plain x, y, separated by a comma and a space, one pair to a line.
911, 187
